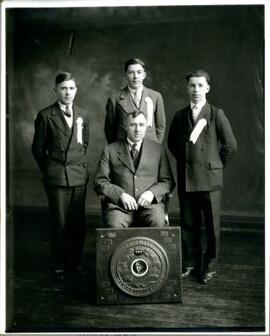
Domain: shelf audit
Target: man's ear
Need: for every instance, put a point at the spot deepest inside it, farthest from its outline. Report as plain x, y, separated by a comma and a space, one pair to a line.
208, 88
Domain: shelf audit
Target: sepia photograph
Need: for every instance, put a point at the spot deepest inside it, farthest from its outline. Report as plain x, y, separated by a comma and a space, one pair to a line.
133, 185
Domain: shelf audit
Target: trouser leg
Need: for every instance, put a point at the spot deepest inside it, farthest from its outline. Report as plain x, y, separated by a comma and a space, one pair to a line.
117, 218
76, 227
59, 200
191, 218
211, 208
153, 216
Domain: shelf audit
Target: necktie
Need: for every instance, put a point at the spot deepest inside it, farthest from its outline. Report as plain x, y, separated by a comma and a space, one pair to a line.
134, 151
195, 112
67, 112
137, 99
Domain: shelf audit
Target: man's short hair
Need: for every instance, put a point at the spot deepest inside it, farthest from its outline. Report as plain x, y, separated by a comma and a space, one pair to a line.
134, 61
199, 73
64, 76
135, 114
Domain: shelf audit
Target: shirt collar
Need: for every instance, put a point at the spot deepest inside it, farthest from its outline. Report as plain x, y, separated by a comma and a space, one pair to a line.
63, 106
199, 104
139, 90
138, 144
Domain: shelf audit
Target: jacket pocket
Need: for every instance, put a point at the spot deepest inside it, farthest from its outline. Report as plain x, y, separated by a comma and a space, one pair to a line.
215, 165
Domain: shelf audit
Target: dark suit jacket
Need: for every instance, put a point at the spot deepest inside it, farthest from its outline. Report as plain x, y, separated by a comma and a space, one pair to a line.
120, 105
200, 165
116, 173
55, 147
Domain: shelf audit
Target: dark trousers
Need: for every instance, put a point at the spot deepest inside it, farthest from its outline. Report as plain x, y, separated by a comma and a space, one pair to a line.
151, 216
196, 208
67, 225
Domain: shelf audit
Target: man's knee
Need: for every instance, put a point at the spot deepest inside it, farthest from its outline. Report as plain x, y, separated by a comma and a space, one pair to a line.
156, 222
116, 220
154, 217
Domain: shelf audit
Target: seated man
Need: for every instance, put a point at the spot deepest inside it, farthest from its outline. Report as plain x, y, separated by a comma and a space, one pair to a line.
134, 175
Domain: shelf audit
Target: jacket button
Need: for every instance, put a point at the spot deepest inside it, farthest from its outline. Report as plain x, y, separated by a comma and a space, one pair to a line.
135, 176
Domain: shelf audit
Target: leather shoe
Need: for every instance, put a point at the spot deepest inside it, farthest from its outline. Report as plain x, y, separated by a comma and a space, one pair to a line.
207, 277
188, 271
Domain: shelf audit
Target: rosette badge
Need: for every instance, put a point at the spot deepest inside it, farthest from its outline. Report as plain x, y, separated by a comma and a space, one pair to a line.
150, 111
79, 122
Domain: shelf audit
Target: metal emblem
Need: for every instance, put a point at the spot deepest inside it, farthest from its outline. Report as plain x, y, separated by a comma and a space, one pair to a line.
139, 266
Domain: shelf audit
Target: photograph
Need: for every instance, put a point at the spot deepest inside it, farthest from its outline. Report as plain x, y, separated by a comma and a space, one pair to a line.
133, 167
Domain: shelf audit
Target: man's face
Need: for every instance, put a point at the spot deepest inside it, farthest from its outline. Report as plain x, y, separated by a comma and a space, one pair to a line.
136, 128
66, 91
139, 267
135, 76
197, 89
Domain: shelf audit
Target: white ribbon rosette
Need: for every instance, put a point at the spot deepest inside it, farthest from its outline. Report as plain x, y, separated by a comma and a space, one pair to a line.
197, 130
79, 122
150, 111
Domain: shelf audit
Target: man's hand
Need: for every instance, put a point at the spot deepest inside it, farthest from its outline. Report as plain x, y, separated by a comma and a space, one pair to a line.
129, 202
146, 198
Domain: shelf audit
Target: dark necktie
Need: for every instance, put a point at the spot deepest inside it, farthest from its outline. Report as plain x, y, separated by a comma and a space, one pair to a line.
137, 99
134, 151
67, 112
195, 112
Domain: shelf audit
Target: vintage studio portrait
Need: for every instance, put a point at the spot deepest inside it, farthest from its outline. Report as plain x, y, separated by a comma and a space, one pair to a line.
135, 169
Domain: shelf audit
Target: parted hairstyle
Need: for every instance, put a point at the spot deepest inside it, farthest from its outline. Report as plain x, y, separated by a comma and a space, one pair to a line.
198, 73
64, 76
134, 61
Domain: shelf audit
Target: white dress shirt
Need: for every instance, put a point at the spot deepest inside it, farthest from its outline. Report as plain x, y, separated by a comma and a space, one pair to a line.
138, 144
197, 110
63, 107
137, 92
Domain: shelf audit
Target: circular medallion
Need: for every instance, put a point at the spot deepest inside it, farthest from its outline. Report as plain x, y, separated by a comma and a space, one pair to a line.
139, 266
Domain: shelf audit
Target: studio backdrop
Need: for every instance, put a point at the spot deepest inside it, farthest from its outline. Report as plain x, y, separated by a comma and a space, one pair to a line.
94, 42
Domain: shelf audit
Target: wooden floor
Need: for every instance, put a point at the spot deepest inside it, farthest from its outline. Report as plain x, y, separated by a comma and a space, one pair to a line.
233, 302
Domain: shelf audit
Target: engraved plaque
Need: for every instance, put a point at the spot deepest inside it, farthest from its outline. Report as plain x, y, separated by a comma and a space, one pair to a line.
138, 265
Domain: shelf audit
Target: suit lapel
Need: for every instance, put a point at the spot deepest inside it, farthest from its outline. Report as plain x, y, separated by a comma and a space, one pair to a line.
145, 154
124, 156
190, 122
145, 94
205, 113
125, 100
59, 120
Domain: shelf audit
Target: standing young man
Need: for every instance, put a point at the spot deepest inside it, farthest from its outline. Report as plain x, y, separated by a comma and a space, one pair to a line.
59, 147
135, 97
202, 142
